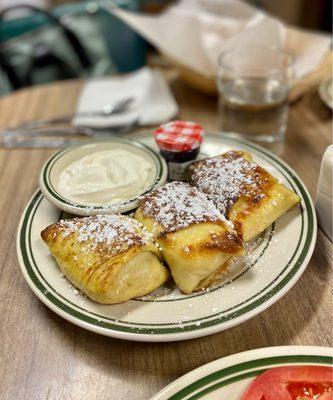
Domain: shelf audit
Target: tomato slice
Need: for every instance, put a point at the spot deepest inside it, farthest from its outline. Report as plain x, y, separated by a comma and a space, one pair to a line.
292, 383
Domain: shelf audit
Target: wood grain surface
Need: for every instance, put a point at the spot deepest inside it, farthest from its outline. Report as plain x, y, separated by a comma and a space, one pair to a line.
44, 357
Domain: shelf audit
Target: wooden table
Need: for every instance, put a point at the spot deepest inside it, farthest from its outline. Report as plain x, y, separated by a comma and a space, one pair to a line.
44, 357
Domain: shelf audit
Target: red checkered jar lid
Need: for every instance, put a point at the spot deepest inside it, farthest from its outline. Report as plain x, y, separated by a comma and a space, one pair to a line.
179, 136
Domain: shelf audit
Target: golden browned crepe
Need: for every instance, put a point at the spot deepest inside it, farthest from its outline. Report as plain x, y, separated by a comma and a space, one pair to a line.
110, 258
245, 193
194, 237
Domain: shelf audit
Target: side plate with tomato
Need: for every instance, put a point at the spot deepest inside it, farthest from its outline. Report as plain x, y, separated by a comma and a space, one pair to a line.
272, 373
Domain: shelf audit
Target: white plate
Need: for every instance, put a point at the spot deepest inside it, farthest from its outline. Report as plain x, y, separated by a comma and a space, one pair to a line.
228, 377
276, 264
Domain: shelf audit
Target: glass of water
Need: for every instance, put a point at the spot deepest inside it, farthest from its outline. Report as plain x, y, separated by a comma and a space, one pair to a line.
253, 85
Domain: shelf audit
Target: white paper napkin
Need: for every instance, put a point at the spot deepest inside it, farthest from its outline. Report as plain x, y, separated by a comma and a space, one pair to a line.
194, 32
153, 101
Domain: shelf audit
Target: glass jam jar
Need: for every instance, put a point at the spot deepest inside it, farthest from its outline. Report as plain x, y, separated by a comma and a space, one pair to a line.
179, 143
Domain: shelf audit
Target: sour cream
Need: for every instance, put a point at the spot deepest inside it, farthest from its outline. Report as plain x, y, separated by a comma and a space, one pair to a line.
106, 177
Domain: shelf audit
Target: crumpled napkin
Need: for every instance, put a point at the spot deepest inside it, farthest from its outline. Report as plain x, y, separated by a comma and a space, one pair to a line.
153, 101
194, 32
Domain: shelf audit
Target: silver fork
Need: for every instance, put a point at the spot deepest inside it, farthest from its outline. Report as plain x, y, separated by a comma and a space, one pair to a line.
57, 137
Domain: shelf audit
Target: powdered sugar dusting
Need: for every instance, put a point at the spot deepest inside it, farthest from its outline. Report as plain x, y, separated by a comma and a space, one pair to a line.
178, 205
117, 232
226, 177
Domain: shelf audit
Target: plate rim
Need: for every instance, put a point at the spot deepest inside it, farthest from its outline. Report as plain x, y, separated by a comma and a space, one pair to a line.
138, 334
238, 359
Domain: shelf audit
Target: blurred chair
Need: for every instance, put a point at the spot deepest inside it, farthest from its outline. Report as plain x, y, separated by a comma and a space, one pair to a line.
73, 40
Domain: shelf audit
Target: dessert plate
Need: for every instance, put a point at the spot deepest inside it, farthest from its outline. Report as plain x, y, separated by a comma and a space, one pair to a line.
276, 260
228, 377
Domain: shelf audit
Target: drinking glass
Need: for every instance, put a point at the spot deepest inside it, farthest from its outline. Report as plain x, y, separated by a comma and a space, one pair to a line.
253, 85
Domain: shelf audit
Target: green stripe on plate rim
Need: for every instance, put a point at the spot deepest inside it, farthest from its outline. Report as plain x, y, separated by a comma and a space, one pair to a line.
224, 379
176, 328
47, 169
168, 324
180, 329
